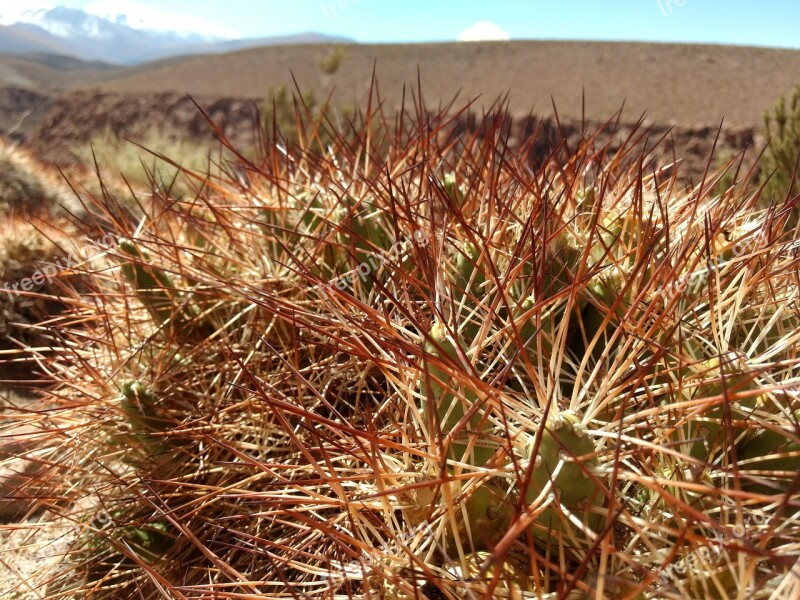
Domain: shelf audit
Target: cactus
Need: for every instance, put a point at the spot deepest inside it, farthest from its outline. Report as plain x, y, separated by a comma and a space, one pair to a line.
727, 378
467, 286
563, 466
147, 425
150, 542
361, 240
446, 405
450, 185
558, 271
483, 514
156, 290
141, 407
295, 446
153, 286
105, 561
770, 450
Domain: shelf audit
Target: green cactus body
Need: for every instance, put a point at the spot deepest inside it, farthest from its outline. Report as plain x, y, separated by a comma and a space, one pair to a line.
527, 330
366, 232
561, 262
100, 546
298, 212
468, 281
150, 542
362, 240
141, 406
157, 292
450, 185
563, 256
565, 454
482, 518
445, 403
606, 289
702, 434
308, 214
542, 337
769, 450
667, 496
153, 287
488, 512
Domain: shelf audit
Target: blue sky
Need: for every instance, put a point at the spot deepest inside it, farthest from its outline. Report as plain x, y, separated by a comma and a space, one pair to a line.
747, 22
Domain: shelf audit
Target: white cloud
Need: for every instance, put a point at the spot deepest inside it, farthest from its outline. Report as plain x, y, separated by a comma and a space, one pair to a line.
483, 30
142, 16
12, 11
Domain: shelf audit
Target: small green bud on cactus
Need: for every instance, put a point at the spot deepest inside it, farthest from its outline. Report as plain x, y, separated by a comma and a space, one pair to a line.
450, 185
141, 406
563, 256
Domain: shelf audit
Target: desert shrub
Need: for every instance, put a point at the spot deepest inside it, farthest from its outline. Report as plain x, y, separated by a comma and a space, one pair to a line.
332, 61
782, 129
302, 119
155, 161
282, 110
432, 371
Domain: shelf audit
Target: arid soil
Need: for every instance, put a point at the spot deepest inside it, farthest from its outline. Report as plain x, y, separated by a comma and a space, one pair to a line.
671, 83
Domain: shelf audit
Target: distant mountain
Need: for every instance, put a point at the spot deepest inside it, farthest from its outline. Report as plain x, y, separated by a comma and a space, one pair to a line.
19, 39
122, 32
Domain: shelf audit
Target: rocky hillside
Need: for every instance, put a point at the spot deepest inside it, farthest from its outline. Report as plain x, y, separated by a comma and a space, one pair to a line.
75, 117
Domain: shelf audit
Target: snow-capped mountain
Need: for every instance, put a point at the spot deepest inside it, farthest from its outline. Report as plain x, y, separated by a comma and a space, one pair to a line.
98, 20
146, 18
117, 31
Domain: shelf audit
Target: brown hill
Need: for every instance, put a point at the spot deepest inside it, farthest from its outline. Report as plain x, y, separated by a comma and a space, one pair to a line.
670, 82
694, 87
47, 72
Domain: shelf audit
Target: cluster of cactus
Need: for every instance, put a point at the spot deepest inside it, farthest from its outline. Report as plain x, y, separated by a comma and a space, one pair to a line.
30, 187
34, 288
414, 367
